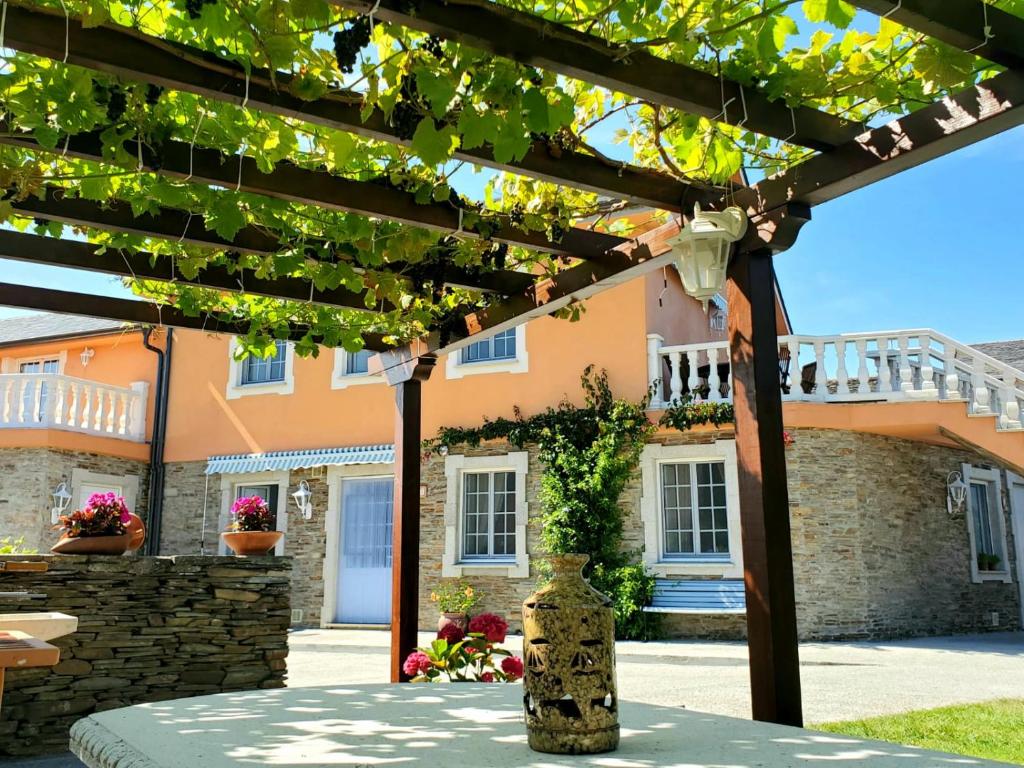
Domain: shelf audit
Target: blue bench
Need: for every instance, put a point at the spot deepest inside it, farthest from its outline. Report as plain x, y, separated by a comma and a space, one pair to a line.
698, 596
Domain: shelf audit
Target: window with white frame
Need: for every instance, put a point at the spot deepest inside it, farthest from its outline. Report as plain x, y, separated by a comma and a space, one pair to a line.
504, 352
272, 487
353, 368
486, 515
254, 375
985, 523
694, 510
689, 508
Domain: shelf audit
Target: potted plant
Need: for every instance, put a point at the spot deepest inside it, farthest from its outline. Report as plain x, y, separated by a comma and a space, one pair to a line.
457, 656
455, 599
251, 532
103, 527
987, 562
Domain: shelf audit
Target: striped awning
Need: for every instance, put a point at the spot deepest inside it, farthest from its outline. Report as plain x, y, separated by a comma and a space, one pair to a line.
282, 460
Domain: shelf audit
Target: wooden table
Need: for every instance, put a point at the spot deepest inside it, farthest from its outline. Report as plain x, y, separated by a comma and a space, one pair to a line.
23, 639
444, 726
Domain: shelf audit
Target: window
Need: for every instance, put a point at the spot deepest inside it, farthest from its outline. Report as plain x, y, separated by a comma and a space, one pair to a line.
264, 370
272, 487
35, 409
489, 515
485, 516
504, 352
689, 508
353, 368
501, 346
358, 363
253, 375
694, 514
985, 525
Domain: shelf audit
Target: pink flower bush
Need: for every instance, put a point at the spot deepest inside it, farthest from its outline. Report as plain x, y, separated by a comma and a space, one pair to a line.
105, 514
487, 677
452, 633
251, 513
492, 627
512, 666
416, 663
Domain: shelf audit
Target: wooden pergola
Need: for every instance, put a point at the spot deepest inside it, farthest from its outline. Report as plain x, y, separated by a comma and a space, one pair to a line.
847, 156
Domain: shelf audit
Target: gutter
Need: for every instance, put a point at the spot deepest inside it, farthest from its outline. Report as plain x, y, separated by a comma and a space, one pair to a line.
155, 506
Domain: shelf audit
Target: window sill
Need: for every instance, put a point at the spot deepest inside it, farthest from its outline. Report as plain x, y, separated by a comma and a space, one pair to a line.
695, 567
983, 576
456, 369
513, 569
354, 380
285, 387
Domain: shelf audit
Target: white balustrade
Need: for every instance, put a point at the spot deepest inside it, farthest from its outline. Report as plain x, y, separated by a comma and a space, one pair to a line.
889, 366
52, 401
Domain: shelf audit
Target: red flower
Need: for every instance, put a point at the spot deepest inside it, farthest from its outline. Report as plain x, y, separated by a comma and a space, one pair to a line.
416, 663
492, 627
451, 632
512, 666
487, 677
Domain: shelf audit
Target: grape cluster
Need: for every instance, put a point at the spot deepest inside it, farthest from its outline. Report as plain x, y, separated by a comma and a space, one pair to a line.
557, 232
432, 45
117, 104
153, 93
496, 256
406, 115
535, 78
194, 8
517, 215
349, 41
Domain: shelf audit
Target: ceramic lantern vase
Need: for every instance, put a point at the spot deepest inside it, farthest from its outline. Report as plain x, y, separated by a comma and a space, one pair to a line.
569, 647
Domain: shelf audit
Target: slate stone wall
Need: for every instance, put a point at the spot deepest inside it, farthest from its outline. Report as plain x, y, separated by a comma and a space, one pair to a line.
150, 629
28, 477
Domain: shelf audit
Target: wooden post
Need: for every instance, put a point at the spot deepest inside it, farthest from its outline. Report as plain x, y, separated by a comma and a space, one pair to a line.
764, 498
407, 380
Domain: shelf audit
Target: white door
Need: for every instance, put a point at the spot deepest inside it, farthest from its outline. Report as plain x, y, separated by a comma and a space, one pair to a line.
364, 565
1017, 520
35, 402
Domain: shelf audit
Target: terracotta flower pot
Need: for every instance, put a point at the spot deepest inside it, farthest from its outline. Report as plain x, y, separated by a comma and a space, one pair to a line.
137, 532
461, 620
93, 545
251, 543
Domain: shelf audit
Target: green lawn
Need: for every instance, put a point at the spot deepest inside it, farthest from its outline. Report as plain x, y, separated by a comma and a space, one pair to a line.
993, 730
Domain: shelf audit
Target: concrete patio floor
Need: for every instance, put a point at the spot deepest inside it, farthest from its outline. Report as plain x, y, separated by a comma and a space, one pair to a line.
840, 680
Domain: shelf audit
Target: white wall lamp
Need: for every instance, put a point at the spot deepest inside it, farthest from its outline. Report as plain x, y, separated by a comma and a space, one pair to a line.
61, 501
87, 354
304, 500
956, 493
702, 250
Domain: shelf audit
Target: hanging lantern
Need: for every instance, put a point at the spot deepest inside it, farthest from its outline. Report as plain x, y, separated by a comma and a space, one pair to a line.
303, 500
569, 646
61, 501
956, 493
703, 248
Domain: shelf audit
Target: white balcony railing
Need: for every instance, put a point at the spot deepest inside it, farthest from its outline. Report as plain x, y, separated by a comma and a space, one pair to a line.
52, 401
885, 366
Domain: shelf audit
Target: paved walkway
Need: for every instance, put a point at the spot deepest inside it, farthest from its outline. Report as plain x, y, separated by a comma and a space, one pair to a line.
841, 681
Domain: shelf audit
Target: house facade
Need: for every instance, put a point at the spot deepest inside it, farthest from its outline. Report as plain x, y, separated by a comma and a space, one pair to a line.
882, 425
76, 414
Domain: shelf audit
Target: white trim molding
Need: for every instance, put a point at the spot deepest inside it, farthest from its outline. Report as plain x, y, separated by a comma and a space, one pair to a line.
993, 478
341, 380
455, 466
227, 498
454, 368
1014, 480
235, 389
336, 477
129, 484
651, 459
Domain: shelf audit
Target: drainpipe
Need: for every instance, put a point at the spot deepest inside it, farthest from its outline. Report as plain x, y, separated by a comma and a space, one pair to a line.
155, 508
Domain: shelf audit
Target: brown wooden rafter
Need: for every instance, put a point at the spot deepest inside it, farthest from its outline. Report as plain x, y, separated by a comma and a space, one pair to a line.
183, 227
141, 312
531, 40
179, 160
970, 25
75, 254
131, 55
990, 107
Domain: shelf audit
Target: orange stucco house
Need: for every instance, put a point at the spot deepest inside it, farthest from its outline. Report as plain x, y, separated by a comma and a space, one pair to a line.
880, 422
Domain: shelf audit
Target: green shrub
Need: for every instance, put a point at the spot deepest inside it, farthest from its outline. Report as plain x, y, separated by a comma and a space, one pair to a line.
12, 546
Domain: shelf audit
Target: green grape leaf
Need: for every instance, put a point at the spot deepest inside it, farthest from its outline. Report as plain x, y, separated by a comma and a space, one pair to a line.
432, 145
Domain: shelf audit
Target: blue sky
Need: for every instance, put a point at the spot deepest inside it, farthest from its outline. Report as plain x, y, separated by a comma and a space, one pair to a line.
935, 247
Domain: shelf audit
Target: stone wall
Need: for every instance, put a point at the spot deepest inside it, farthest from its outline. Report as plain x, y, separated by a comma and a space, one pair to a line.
150, 629
187, 494
28, 477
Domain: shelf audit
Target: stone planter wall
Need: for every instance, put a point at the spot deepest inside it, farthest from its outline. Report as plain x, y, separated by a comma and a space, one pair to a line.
150, 629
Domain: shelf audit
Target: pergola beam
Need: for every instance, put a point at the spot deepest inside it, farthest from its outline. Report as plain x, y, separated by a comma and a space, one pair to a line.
531, 40
137, 312
969, 116
75, 254
960, 23
184, 227
295, 184
131, 55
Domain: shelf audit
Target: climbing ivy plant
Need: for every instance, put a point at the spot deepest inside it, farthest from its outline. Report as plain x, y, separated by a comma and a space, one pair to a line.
438, 96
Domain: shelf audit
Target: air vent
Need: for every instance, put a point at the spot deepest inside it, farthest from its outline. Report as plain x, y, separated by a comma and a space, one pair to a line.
296, 615
994, 618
